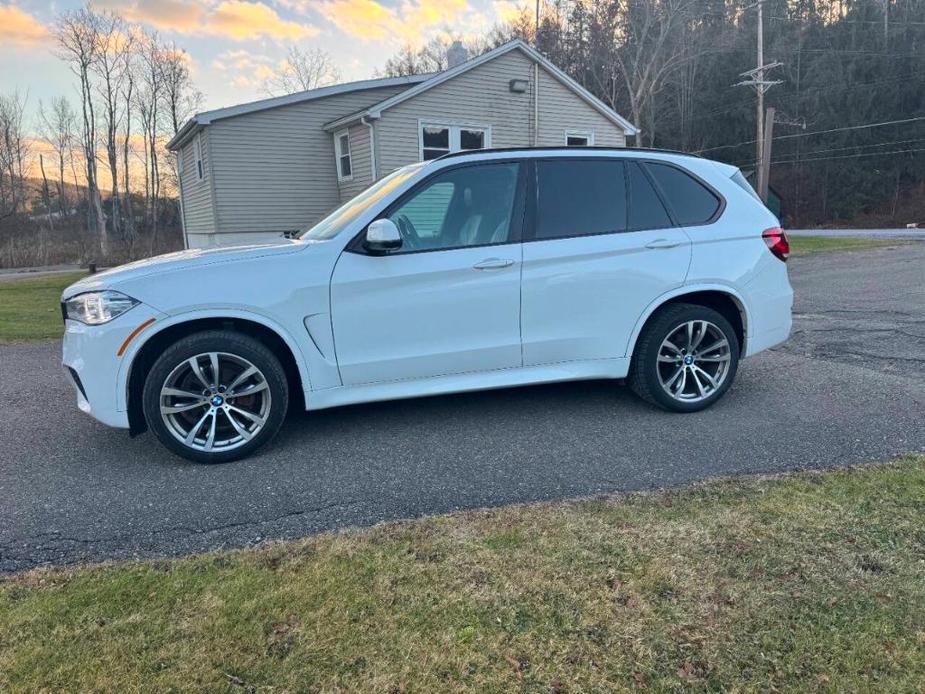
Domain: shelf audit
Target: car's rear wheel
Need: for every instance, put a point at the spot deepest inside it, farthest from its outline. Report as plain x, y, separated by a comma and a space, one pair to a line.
215, 396
685, 359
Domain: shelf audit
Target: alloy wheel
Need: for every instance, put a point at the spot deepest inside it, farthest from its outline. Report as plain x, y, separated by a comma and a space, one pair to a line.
693, 361
215, 401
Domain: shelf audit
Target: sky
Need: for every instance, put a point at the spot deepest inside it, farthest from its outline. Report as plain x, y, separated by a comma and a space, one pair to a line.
233, 44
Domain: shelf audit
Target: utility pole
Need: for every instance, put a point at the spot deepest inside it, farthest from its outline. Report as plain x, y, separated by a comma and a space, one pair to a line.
764, 172
757, 78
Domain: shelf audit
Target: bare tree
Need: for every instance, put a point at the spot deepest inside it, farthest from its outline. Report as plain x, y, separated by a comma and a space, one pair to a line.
181, 98
303, 69
149, 104
57, 124
128, 105
633, 50
114, 47
77, 36
14, 151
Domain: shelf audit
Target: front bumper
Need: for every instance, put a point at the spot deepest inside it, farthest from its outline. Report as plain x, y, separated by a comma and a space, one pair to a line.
95, 369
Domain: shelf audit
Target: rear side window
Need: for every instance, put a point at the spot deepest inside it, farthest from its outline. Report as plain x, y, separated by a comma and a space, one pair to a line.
579, 198
646, 210
690, 201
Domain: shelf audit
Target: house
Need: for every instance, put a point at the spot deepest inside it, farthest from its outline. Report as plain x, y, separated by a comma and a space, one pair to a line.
265, 169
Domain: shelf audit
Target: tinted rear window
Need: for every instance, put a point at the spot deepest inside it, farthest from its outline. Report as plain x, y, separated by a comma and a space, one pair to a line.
646, 210
579, 198
690, 201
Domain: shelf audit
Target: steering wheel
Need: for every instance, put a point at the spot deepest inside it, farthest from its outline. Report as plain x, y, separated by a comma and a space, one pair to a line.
409, 234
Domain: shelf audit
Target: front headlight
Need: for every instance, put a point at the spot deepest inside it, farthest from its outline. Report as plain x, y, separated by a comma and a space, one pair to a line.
94, 308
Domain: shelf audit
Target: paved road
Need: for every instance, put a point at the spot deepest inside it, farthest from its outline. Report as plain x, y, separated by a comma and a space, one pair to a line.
848, 387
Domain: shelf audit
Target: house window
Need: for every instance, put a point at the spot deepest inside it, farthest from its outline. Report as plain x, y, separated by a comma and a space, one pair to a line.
342, 152
437, 139
576, 138
197, 147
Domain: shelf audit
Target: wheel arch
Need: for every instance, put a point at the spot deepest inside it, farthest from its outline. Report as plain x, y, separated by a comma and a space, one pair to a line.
271, 335
728, 302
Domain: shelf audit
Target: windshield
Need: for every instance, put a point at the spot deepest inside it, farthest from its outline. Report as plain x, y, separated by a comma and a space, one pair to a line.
334, 223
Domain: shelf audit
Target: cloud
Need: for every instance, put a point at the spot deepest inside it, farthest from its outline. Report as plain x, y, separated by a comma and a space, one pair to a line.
19, 27
411, 21
250, 70
509, 11
166, 15
239, 20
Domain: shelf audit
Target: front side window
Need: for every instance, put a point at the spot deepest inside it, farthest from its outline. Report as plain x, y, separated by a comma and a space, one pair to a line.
579, 197
690, 201
467, 206
439, 139
342, 152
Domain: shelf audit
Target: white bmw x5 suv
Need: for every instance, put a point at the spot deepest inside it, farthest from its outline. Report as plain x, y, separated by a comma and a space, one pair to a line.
477, 270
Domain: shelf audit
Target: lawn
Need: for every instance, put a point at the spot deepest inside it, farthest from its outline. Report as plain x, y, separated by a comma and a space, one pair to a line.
804, 245
30, 309
813, 582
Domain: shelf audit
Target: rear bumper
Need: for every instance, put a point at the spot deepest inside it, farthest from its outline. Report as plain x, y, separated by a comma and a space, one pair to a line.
771, 300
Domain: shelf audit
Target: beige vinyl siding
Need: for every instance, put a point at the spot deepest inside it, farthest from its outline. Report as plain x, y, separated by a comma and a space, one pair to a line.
198, 211
561, 109
480, 96
274, 169
360, 162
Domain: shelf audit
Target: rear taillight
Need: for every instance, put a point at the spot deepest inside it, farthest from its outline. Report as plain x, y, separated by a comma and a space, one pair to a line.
777, 242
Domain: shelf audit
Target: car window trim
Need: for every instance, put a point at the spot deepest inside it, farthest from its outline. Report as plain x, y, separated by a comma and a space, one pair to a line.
720, 208
517, 214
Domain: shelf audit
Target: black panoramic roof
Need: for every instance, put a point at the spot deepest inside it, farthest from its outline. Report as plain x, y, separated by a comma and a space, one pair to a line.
563, 148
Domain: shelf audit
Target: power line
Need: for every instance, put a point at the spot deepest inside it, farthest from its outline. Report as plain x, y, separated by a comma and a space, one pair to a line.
820, 132
849, 156
807, 156
811, 92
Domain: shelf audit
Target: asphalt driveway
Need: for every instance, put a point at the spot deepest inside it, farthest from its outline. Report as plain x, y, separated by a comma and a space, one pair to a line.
848, 387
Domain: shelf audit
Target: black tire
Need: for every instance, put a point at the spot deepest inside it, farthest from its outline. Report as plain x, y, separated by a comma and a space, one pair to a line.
644, 377
231, 345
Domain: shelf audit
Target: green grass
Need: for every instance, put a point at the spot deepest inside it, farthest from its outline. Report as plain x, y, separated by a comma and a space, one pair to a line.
804, 245
30, 309
814, 582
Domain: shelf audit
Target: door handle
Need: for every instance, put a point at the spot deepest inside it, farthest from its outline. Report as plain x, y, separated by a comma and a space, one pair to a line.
493, 264
663, 243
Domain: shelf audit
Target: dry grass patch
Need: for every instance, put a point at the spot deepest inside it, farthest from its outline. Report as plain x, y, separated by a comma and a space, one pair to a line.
810, 582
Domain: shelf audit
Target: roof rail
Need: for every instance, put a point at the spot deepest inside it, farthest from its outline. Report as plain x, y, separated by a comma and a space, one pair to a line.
559, 148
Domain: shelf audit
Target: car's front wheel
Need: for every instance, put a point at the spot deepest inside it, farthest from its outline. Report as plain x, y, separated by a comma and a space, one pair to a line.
215, 396
685, 358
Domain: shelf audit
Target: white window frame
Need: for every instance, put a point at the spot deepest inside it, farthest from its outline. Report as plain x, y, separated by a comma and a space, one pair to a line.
454, 127
338, 154
587, 134
197, 155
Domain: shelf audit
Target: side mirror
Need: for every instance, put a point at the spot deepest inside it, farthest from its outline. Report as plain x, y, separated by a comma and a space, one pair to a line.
382, 236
